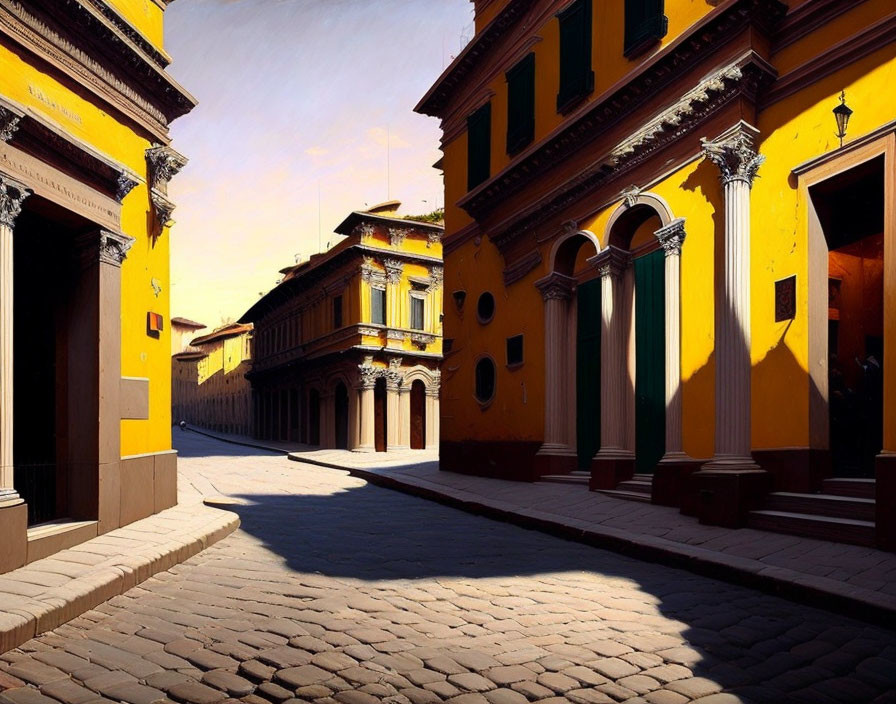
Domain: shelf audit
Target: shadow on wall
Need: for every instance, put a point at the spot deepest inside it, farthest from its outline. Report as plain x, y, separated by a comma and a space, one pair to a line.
755, 646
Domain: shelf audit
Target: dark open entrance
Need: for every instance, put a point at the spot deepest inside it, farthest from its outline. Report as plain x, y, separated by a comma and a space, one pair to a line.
313, 417
588, 324
341, 413
850, 209
418, 415
294, 414
650, 361
380, 419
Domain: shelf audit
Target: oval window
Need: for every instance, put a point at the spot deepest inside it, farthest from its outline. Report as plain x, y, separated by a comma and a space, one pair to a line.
485, 380
485, 308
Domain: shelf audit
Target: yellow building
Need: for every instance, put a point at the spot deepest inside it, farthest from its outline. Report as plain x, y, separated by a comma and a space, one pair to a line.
85, 425
666, 273
208, 380
348, 345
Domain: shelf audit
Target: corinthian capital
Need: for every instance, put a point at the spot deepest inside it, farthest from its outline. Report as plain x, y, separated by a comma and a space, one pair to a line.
734, 154
104, 247
12, 195
393, 267
612, 261
9, 123
556, 287
671, 237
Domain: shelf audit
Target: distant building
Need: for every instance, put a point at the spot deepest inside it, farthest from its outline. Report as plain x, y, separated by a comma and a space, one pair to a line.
348, 345
208, 380
182, 329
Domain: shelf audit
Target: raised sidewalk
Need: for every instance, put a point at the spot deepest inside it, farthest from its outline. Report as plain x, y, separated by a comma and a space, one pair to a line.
49, 592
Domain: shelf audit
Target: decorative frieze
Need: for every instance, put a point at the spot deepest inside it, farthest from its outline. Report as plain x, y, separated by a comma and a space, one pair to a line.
393, 334
436, 277
433, 237
671, 237
9, 123
364, 230
421, 338
734, 154
369, 332
611, 262
164, 163
12, 195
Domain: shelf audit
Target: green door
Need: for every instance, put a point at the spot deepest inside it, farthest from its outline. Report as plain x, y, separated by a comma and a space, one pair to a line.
588, 372
650, 361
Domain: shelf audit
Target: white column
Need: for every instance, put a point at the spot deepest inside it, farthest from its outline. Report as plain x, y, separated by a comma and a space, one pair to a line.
736, 158
367, 407
404, 414
354, 418
394, 379
12, 195
556, 289
671, 237
612, 263
432, 412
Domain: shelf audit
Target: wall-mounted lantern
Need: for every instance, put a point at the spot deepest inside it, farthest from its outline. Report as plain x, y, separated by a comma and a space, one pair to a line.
842, 114
459, 298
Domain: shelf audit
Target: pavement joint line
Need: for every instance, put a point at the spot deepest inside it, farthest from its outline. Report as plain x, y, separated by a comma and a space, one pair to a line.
806, 589
194, 529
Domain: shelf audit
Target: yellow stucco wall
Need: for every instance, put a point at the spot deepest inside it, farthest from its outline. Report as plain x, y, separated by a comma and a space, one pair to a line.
144, 15
141, 355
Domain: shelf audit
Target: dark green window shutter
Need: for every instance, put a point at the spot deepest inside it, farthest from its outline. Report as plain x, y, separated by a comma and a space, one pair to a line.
576, 76
645, 24
378, 306
521, 104
479, 145
588, 320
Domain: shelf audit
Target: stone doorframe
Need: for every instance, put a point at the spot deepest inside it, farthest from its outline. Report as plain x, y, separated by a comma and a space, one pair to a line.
557, 453
881, 142
615, 460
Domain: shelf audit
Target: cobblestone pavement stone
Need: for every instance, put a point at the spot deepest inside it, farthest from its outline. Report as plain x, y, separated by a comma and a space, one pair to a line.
337, 591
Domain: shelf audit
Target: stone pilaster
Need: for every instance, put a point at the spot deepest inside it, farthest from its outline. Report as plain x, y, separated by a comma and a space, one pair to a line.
556, 454
731, 497
394, 269
394, 379
614, 461
367, 375
12, 195
432, 412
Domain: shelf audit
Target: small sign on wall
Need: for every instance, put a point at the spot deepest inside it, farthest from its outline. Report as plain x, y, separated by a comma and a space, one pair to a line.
154, 324
785, 299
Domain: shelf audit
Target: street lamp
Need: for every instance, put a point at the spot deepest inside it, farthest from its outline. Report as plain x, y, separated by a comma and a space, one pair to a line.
842, 114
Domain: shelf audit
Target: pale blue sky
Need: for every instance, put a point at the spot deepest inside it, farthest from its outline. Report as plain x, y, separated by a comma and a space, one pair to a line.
296, 94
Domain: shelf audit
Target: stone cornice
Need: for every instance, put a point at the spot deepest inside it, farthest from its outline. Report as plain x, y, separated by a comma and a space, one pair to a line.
618, 103
743, 77
131, 32
516, 271
457, 74
808, 17
70, 35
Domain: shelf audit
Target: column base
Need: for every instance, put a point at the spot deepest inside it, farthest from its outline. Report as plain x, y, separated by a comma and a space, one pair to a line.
608, 470
885, 500
725, 497
364, 448
397, 448
671, 479
555, 459
14, 529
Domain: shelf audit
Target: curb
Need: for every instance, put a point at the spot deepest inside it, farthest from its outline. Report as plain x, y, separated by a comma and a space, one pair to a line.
110, 578
242, 443
820, 592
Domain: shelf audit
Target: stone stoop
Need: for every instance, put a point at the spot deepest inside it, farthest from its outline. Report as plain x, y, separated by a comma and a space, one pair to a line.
578, 476
844, 512
88, 574
638, 488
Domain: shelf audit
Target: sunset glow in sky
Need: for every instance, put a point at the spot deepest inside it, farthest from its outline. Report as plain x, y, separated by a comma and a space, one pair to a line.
298, 100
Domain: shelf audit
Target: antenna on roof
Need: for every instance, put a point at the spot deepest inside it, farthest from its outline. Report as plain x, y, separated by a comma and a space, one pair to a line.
318, 217
388, 167
297, 257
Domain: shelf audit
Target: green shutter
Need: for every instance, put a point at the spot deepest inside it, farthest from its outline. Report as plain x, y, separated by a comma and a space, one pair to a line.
479, 144
576, 76
645, 24
521, 104
650, 361
588, 324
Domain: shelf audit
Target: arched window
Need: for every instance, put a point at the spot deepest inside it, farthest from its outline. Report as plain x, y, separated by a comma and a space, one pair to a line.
485, 380
485, 308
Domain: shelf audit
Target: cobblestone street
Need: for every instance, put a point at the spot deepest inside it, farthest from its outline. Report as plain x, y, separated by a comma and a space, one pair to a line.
335, 590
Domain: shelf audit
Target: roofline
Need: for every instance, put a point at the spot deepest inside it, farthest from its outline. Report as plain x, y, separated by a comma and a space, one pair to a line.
346, 226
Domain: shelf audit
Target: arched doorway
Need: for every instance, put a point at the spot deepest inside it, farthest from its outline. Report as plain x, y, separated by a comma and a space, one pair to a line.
418, 415
314, 417
850, 212
572, 296
341, 416
380, 416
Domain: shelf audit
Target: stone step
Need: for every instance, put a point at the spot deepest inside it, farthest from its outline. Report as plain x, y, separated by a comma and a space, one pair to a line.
571, 478
627, 495
635, 485
821, 505
838, 530
858, 488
